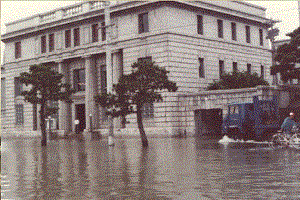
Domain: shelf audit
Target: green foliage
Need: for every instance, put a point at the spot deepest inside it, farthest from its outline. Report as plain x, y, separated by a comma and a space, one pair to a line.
287, 56
141, 86
237, 80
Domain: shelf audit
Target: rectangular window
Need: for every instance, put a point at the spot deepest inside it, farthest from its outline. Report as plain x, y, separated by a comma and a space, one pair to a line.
233, 31
79, 80
18, 50
19, 114
248, 35
68, 38
234, 67
76, 37
221, 68
148, 110
261, 37
220, 28
43, 44
201, 68
3, 95
51, 42
103, 81
103, 31
262, 71
95, 33
249, 68
18, 86
143, 23
200, 24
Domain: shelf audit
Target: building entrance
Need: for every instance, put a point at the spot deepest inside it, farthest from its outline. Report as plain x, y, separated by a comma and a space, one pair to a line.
80, 115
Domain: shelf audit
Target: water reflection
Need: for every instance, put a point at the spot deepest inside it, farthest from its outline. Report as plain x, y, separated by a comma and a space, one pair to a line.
186, 168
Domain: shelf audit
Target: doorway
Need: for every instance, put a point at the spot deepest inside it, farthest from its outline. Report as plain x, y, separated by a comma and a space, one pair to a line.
80, 115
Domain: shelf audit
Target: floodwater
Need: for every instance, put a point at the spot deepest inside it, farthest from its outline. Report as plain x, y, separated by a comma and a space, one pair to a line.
186, 168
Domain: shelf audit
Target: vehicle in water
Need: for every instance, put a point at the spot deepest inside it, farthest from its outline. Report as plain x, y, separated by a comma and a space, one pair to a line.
257, 120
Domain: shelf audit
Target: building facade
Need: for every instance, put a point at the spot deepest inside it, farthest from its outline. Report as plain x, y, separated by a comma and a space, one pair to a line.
94, 43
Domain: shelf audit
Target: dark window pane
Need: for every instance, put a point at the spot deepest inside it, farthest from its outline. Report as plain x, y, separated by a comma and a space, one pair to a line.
200, 24
103, 79
201, 67
233, 31
18, 50
103, 31
51, 42
221, 67
18, 86
143, 23
234, 67
249, 68
262, 71
248, 36
76, 37
95, 33
261, 37
43, 44
79, 80
68, 38
220, 28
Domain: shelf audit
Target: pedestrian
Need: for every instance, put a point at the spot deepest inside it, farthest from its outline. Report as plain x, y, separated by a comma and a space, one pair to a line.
288, 124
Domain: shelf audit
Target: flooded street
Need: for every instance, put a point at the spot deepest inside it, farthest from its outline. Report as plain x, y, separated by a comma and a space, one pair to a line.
189, 168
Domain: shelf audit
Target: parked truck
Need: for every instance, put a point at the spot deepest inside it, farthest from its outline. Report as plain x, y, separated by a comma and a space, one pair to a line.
256, 120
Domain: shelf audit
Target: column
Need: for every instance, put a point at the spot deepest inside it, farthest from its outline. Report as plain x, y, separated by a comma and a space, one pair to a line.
90, 92
64, 111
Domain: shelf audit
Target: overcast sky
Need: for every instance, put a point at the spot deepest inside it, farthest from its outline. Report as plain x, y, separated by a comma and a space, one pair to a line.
285, 11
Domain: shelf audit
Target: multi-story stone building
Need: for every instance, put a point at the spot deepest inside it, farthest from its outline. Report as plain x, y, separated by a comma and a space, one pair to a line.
92, 44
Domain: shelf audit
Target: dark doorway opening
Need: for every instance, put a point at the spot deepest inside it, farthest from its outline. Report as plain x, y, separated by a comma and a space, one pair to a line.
208, 122
80, 115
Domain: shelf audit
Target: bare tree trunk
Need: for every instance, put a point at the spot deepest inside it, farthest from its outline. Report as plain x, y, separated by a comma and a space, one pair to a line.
140, 126
43, 125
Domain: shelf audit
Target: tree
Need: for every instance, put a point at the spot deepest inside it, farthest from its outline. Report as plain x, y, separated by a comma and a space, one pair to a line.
237, 80
142, 85
46, 85
286, 57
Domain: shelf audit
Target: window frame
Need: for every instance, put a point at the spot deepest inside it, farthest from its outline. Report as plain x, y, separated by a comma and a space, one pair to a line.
220, 28
43, 44
19, 114
95, 33
200, 24
18, 87
201, 69
51, 42
68, 38
221, 67
234, 66
76, 36
77, 83
143, 23
18, 50
261, 37
248, 34
249, 66
148, 111
233, 31
103, 31
262, 71
103, 78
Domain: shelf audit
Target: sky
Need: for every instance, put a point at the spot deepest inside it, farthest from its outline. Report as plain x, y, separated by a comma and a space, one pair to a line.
285, 11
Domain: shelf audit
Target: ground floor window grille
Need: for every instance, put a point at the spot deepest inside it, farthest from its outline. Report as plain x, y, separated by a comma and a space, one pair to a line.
19, 114
148, 110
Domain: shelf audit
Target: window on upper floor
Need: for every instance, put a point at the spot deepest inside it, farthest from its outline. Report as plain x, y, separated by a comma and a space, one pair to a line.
262, 71
68, 38
18, 50
233, 31
220, 28
18, 86
234, 67
43, 44
103, 31
51, 42
95, 33
76, 34
103, 79
200, 24
79, 80
19, 114
261, 37
148, 110
3, 94
201, 68
248, 34
221, 68
143, 23
249, 68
